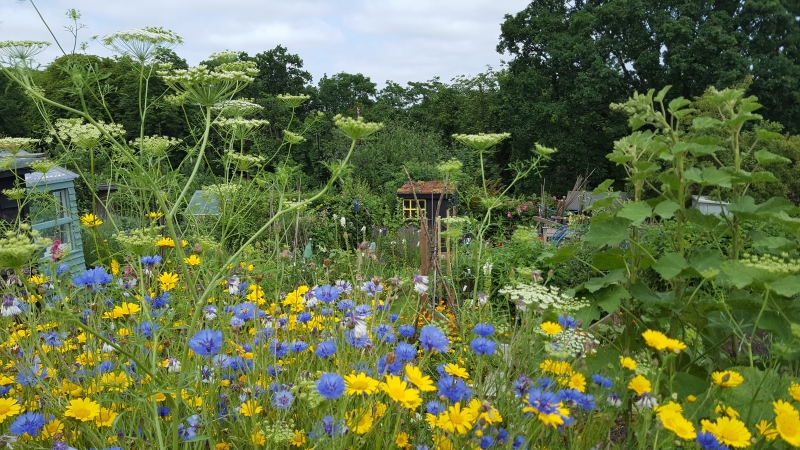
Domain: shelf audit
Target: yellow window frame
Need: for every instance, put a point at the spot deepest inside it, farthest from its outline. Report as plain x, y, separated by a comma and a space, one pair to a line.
410, 210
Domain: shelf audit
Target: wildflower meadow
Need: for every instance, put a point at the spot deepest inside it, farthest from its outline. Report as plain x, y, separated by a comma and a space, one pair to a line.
273, 318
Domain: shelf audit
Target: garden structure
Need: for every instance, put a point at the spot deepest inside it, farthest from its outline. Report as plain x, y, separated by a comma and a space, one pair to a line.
432, 198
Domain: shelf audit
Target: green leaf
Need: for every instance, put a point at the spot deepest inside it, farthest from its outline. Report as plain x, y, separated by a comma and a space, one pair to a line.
636, 212
610, 232
604, 202
670, 265
609, 298
765, 157
756, 177
715, 177
693, 175
706, 263
686, 384
666, 209
677, 104
699, 150
765, 135
562, 255
787, 286
644, 294
595, 284
610, 259
660, 96
603, 187
701, 123
773, 243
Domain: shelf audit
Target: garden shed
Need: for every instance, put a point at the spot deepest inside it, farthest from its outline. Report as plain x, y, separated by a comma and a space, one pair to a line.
15, 168
428, 194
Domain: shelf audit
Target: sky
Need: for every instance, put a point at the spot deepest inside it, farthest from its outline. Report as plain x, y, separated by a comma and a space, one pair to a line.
398, 40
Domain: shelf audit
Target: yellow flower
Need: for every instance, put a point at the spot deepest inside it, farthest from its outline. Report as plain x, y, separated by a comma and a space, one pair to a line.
223, 446
167, 280
165, 242
782, 407
655, 339
727, 378
8, 408
51, 428
124, 310
91, 221
675, 422
154, 215
691, 398
727, 411
423, 382
557, 368
399, 391
670, 407
82, 409
298, 439
105, 418
787, 424
360, 384
729, 431
456, 371
455, 419
39, 279
551, 328
359, 421
640, 384
627, 363
794, 391
403, 440
250, 408
258, 438
675, 345
192, 260
114, 267
766, 429
578, 381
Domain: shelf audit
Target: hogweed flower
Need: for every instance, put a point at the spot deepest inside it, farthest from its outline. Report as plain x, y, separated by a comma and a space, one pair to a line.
293, 101
208, 87
481, 142
293, 138
156, 146
86, 136
13, 53
238, 107
14, 145
356, 128
141, 44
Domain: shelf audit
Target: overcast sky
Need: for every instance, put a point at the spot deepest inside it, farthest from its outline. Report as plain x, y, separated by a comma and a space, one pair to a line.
398, 40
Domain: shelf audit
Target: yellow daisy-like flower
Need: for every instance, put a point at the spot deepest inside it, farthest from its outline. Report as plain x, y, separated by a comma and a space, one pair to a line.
258, 438
114, 267
456, 420
557, 368
399, 391
82, 409
675, 422
105, 418
456, 371
640, 385
794, 391
787, 424
91, 221
727, 411
782, 407
192, 260
9, 408
51, 428
250, 408
551, 328
403, 440
168, 280
675, 345
39, 279
124, 310
298, 439
656, 339
165, 242
423, 382
229, 446
578, 381
359, 421
154, 215
727, 378
767, 429
729, 431
627, 363
357, 384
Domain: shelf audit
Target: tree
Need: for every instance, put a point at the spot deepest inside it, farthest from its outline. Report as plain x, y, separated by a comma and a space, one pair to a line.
345, 93
573, 58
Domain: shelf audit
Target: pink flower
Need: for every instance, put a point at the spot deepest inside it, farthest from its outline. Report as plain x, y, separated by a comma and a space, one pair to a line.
509, 215
524, 207
554, 198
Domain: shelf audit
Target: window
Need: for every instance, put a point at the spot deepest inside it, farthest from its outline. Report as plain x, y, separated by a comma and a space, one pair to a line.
410, 210
51, 216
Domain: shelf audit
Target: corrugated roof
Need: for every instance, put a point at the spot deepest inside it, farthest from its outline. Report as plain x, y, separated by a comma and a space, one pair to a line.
21, 159
427, 187
54, 175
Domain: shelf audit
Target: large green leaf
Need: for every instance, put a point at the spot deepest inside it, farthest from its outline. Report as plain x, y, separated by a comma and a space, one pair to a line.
715, 177
613, 277
670, 265
610, 297
609, 232
636, 212
666, 209
787, 286
765, 157
701, 123
610, 259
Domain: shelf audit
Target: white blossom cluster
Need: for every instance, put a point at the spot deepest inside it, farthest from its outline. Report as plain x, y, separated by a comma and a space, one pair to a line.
572, 342
781, 265
223, 191
154, 145
356, 128
543, 297
481, 142
244, 162
237, 108
16, 52
14, 145
85, 135
293, 138
208, 87
141, 43
293, 101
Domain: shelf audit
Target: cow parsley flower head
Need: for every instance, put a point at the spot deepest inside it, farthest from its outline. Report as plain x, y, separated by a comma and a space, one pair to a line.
293, 101
356, 128
481, 142
20, 52
141, 44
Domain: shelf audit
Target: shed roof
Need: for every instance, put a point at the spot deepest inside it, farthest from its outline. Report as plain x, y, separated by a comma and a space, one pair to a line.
54, 175
20, 159
427, 187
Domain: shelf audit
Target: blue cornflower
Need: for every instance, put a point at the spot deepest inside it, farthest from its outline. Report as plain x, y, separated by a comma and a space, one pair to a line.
30, 423
394, 368
326, 349
569, 395
487, 441
363, 310
483, 346
545, 402
327, 293
163, 411
247, 311
344, 305
453, 389
432, 338
278, 349
586, 402
94, 277
434, 407
150, 260
406, 330
519, 443
385, 333
146, 329
522, 384
304, 317
393, 318
372, 288
484, 329
52, 339
567, 321
545, 383
206, 342
356, 341
298, 346
330, 386
62, 268
326, 312
602, 381
405, 351
236, 322
327, 427
159, 301
282, 399
710, 442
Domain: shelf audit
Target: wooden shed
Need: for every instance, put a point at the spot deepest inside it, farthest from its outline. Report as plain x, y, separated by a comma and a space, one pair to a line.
10, 177
428, 194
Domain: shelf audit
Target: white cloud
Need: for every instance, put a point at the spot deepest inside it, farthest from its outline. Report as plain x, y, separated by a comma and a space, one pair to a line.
399, 40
